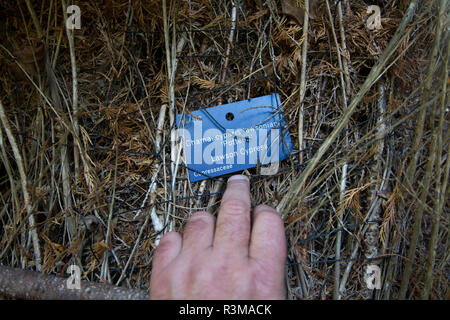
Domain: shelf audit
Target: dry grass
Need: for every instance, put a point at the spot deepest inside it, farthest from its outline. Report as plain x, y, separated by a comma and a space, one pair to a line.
102, 176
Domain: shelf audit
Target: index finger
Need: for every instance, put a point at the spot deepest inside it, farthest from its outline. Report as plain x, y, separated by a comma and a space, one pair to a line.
233, 221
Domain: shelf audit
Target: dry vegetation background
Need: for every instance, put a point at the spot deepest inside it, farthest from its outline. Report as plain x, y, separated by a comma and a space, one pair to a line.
89, 174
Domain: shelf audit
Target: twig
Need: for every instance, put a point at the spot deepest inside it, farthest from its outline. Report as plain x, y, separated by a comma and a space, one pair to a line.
105, 268
34, 18
133, 251
156, 221
373, 231
441, 187
175, 151
9, 236
415, 154
337, 267
24, 182
53, 88
301, 114
152, 186
426, 94
230, 39
302, 89
171, 60
74, 89
24, 284
235, 3
291, 197
216, 188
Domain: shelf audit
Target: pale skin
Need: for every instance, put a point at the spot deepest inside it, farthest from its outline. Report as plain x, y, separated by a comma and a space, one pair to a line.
239, 255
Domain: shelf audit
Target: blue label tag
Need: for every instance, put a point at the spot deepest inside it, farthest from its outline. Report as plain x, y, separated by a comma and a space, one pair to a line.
234, 137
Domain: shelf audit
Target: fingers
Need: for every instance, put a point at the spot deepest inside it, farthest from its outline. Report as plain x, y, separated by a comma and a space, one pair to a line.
199, 232
233, 221
268, 240
168, 249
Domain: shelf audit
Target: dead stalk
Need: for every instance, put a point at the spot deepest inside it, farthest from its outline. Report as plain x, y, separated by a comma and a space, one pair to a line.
74, 90
441, 186
337, 267
291, 197
24, 182
302, 89
415, 155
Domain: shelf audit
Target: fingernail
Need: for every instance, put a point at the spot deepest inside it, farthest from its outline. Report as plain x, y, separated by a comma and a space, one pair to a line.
238, 177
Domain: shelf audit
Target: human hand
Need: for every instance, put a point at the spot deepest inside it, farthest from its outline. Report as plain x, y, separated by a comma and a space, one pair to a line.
242, 256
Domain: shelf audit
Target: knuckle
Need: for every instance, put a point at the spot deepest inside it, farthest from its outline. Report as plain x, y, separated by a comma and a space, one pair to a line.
270, 216
198, 223
267, 279
235, 207
206, 216
235, 220
260, 268
235, 230
265, 207
167, 242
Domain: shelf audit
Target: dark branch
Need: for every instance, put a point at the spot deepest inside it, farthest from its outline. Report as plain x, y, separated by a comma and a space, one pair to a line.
30, 285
